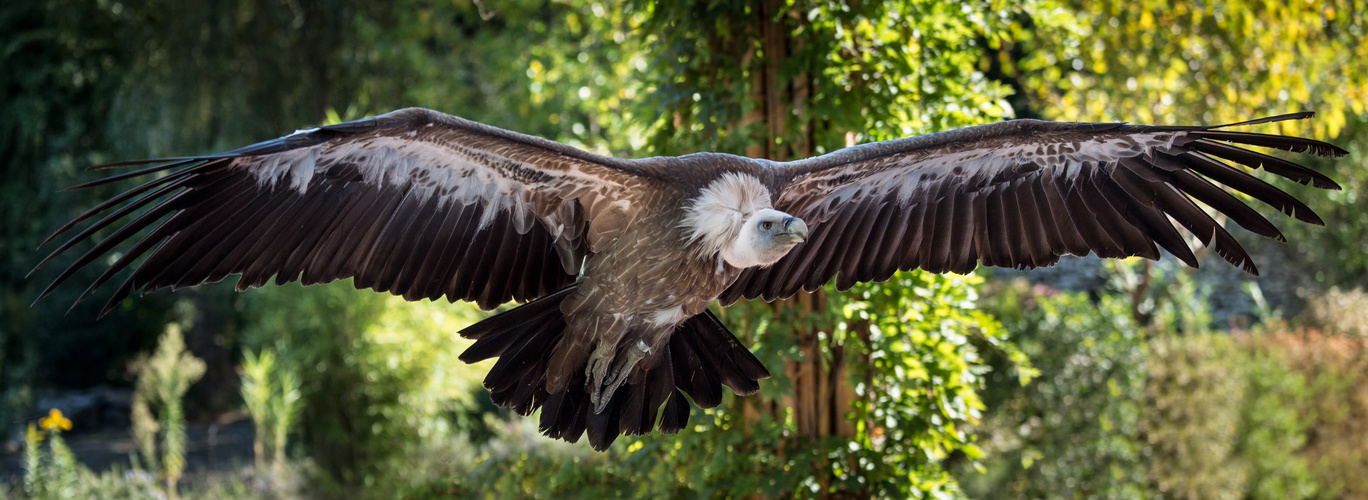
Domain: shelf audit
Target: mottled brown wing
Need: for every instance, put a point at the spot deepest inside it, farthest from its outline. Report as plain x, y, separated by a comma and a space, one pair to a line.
415, 202
1022, 193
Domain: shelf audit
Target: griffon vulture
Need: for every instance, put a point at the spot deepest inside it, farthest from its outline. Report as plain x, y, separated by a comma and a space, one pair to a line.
617, 260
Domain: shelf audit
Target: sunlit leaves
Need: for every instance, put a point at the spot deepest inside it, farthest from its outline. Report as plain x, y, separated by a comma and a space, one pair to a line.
1169, 62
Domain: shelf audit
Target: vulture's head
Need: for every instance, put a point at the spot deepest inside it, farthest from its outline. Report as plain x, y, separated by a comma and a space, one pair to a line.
765, 238
733, 219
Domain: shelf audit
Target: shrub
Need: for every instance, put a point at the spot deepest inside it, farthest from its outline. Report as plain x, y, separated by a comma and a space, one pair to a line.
1273, 433
1074, 430
271, 393
377, 376
163, 379
1339, 312
1335, 407
1192, 417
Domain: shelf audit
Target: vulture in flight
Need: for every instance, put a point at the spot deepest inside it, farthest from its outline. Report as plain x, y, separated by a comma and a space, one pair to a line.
616, 260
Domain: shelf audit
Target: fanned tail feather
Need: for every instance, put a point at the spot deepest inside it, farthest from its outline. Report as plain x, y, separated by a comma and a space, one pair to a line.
702, 356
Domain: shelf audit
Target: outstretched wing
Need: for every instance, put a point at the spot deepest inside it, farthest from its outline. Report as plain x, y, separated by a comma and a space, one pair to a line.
414, 202
1022, 193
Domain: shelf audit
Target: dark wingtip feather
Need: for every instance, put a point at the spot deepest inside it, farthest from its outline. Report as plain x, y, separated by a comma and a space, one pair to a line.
1318, 148
1300, 115
169, 161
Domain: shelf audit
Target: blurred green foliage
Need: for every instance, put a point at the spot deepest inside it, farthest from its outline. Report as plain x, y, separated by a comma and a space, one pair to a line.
376, 375
271, 394
1073, 431
163, 379
1192, 423
1118, 414
1275, 422
54, 474
1135, 393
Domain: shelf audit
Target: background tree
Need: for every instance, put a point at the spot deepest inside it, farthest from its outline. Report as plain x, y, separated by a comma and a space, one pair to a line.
875, 390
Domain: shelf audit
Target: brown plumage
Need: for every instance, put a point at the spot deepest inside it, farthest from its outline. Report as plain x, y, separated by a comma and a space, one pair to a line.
617, 260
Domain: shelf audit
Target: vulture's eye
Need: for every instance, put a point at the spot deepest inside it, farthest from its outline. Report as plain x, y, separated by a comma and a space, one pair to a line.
766, 225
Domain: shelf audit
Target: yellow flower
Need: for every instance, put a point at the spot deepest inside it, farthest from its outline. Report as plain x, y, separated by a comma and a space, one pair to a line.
55, 420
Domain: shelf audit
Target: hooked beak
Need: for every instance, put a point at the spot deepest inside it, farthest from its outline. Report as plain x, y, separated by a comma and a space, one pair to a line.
795, 229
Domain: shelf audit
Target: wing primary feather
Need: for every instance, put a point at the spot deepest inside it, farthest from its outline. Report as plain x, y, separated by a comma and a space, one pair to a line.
1207, 230
1198, 187
119, 235
1285, 143
1123, 183
357, 233
1300, 115
170, 248
204, 232
1250, 185
153, 237
379, 216
1254, 159
247, 243
218, 200
178, 178
102, 223
118, 295
137, 173
1187, 213
259, 240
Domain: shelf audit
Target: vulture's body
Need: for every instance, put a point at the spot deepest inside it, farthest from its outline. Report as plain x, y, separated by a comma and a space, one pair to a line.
617, 260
